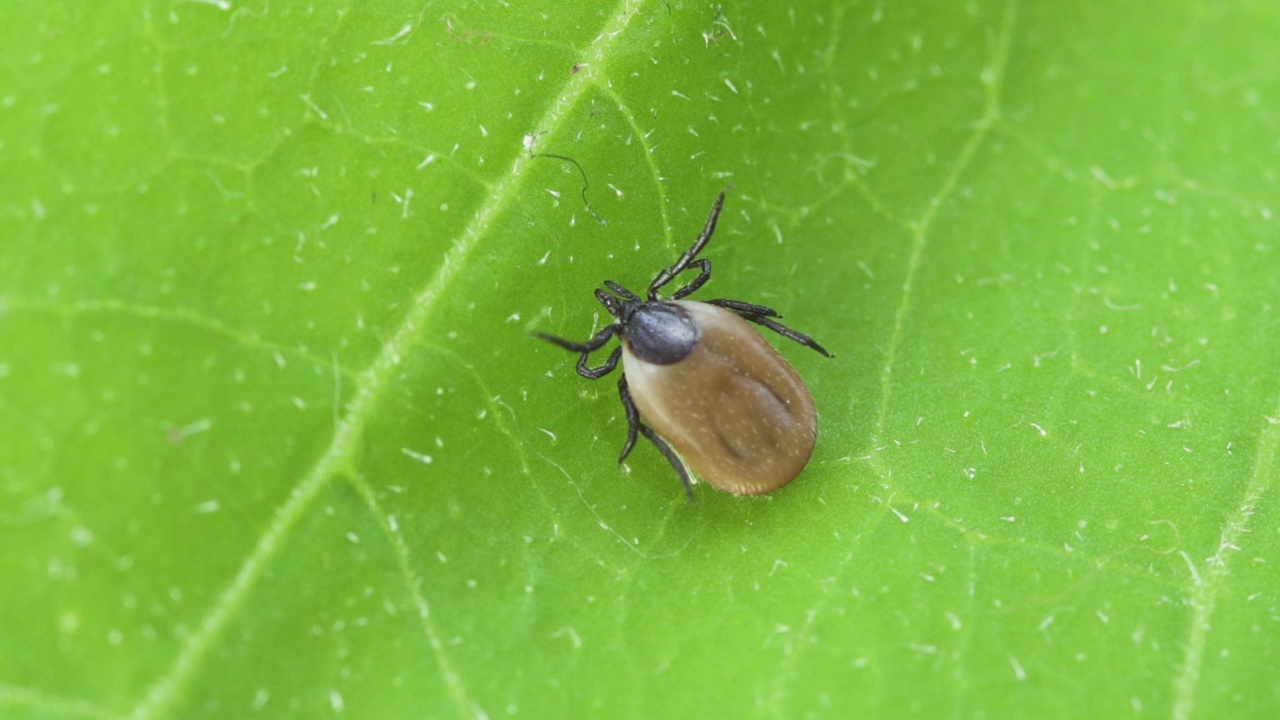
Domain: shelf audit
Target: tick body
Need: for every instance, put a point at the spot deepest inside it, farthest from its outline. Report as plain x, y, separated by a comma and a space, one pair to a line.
703, 378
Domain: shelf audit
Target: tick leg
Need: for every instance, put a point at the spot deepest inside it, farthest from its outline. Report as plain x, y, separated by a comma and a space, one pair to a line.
763, 318
788, 333
634, 425
744, 308
633, 418
588, 347
687, 258
621, 291
704, 274
670, 455
595, 373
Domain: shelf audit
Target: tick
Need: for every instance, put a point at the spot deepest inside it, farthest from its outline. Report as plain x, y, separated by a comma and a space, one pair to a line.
705, 380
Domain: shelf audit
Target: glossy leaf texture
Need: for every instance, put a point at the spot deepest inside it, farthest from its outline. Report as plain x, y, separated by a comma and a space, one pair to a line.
279, 442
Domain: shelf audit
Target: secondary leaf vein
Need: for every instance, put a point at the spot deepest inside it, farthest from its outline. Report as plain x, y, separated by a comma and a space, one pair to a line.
1208, 582
992, 79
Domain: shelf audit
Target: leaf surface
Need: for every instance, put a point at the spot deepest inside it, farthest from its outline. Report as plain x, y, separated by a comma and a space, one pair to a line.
280, 442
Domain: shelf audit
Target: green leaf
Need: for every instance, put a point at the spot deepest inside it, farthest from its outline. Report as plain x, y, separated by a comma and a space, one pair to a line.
279, 443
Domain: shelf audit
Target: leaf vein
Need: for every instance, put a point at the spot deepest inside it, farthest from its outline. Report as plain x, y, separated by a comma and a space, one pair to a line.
372, 384
992, 78
1208, 582
179, 315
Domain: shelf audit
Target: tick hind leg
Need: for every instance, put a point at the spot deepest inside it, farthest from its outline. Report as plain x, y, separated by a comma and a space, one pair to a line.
634, 426
766, 316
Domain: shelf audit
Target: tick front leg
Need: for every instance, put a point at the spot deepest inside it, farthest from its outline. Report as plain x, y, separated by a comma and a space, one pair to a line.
595, 373
704, 274
588, 347
687, 258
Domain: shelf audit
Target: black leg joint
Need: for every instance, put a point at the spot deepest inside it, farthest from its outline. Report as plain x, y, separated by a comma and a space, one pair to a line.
704, 266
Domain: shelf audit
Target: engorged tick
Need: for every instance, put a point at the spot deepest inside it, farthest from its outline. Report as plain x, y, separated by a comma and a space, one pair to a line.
705, 380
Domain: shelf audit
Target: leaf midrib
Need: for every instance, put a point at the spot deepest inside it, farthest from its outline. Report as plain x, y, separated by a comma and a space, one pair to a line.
341, 456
